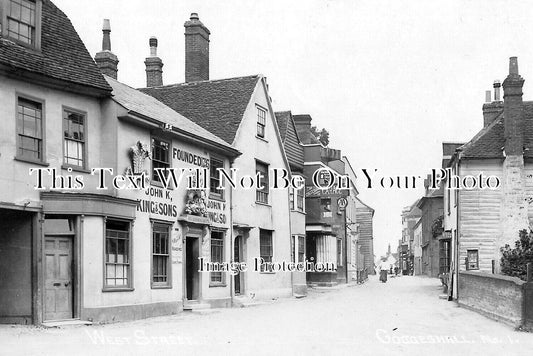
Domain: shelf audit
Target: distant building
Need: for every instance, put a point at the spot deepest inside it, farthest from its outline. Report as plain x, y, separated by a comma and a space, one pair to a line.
325, 219
430, 228
410, 216
365, 221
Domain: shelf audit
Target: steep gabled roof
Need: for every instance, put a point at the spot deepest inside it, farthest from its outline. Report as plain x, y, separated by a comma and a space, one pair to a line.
144, 105
289, 137
216, 105
62, 57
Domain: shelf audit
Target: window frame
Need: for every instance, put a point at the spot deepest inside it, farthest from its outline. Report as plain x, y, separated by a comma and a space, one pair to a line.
270, 235
265, 192
222, 282
295, 241
4, 7
168, 283
41, 102
123, 288
468, 261
153, 174
261, 121
83, 167
215, 195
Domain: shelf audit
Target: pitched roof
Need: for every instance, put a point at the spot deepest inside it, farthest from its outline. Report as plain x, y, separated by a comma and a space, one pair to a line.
216, 105
490, 141
144, 105
283, 117
63, 55
291, 143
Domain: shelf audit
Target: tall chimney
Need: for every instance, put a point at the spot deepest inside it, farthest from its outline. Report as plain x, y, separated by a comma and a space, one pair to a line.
106, 60
196, 50
514, 207
513, 110
491, 109
154, 66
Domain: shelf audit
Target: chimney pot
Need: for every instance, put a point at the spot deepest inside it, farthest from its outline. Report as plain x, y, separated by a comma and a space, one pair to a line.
154, 66
488, 96
513, 66
105, 59
106, 26
153, 46
496, 87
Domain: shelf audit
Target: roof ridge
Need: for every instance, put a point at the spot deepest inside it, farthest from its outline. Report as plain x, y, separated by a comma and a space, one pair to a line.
202, 81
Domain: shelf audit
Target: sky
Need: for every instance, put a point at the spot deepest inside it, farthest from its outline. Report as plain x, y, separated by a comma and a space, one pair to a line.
390, 80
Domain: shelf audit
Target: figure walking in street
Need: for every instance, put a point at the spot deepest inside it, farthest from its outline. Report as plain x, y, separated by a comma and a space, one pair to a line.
383, 270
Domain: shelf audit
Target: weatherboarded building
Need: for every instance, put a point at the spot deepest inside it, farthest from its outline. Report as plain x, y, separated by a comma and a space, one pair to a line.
482, 220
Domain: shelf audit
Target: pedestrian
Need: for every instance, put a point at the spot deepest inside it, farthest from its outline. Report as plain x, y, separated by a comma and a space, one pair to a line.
383, 270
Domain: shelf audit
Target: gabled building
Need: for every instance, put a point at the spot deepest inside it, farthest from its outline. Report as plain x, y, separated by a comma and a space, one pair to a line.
50, 94
294, 152
481, 221
239, 111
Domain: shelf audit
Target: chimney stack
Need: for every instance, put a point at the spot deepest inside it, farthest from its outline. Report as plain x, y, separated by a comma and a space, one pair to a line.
513, 110
196, 50
106, 60
491, 109
154, 66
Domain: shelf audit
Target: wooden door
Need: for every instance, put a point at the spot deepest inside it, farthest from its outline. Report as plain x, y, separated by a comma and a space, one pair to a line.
192, 251
237, 257
58, 278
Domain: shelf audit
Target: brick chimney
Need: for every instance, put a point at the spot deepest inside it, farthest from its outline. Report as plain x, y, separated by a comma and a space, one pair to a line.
513, 110
154, 66
514, 213
106, 60
492, 108
196, 50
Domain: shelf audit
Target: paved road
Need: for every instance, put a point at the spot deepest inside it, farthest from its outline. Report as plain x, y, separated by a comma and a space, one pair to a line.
402, 317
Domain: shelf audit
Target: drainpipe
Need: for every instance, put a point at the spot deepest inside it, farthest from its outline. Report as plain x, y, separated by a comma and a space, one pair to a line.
231, 252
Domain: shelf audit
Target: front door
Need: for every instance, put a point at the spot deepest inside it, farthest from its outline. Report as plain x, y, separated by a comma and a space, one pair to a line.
238, 257
58, 278
192, 276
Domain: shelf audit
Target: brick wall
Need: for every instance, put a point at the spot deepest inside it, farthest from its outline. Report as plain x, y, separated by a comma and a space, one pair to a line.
495, 296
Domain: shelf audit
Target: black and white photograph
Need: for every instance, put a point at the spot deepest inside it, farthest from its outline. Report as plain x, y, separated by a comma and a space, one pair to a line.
266, 177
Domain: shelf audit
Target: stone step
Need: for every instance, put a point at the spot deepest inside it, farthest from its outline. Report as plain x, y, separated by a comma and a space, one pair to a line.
67, 322
194, 306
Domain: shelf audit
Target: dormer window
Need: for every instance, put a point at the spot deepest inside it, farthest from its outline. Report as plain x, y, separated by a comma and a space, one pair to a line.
21, 21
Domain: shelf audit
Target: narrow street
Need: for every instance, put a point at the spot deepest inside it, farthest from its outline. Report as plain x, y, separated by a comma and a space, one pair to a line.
403, 316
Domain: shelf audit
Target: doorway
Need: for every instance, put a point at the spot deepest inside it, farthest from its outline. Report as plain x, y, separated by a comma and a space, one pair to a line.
238, 257
58, 273
192, 276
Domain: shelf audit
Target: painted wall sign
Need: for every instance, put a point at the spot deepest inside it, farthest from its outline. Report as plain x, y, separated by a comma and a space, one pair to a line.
191, 158
216, 212
164, 208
